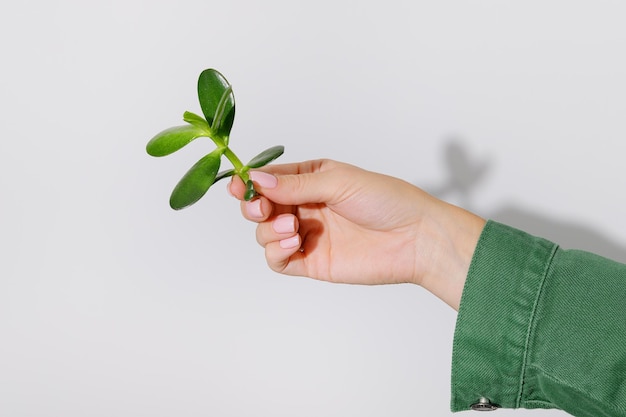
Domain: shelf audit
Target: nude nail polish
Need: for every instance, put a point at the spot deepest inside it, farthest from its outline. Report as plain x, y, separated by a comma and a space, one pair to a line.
284, 224
254, 209
264, 179
290, 242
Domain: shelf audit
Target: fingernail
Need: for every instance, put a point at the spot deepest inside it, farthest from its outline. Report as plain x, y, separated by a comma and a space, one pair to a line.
290, 242
284, 224
254, 209
264, 179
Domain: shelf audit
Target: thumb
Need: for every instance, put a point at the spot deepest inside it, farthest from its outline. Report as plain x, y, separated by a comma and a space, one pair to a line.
297, 189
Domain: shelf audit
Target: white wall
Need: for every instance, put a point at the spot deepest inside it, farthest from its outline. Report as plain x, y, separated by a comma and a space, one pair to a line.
113, 304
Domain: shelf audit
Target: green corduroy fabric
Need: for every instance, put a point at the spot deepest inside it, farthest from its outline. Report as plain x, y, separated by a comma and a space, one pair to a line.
540, 327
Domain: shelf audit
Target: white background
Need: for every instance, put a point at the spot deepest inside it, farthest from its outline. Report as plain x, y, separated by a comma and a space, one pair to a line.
112, 304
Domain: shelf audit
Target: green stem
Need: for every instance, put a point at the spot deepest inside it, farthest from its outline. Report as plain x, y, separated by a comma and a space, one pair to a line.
240, 169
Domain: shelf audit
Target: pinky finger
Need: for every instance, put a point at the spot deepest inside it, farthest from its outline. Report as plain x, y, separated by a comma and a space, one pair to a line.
278, 253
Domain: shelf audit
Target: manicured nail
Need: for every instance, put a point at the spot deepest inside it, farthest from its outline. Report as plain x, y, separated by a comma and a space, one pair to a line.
284, 224
254, 209
264, 179
290, 242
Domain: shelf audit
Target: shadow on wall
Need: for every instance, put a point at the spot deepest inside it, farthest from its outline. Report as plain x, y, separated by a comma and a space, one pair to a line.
465, 174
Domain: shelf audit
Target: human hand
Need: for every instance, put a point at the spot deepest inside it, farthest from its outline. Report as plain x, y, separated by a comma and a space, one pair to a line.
336, 222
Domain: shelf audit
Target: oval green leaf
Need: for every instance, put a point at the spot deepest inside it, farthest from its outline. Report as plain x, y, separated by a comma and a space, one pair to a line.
215, 96
172, 139
196, 182
266, 156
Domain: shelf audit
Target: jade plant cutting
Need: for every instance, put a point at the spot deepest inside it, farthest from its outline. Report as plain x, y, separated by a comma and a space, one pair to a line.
218, 108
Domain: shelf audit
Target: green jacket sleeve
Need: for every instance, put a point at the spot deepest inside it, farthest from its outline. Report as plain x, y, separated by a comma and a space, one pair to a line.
540, 327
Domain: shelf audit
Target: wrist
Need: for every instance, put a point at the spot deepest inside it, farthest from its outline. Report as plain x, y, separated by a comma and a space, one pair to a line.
452, 235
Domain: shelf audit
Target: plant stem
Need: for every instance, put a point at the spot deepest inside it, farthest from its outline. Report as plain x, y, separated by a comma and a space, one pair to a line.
240, 169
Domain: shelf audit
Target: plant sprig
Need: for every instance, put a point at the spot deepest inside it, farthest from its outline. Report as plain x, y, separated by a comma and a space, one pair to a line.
217, 102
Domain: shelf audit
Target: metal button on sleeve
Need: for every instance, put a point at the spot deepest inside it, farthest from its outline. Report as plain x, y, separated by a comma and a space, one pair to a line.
484, 404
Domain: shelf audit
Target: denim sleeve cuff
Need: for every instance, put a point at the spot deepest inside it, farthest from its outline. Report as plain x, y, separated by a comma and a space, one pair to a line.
499, 300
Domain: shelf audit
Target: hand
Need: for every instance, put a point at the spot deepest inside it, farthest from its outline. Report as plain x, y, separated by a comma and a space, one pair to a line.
335, 222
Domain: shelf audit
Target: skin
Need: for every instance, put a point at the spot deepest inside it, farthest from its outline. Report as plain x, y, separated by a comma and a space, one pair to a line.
336, 222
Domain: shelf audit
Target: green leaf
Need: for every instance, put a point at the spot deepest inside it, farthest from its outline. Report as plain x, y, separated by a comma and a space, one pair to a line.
172, 139
197, 121
221, 109
250, 192
266, 156
224, 174
196, 182
214, 89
